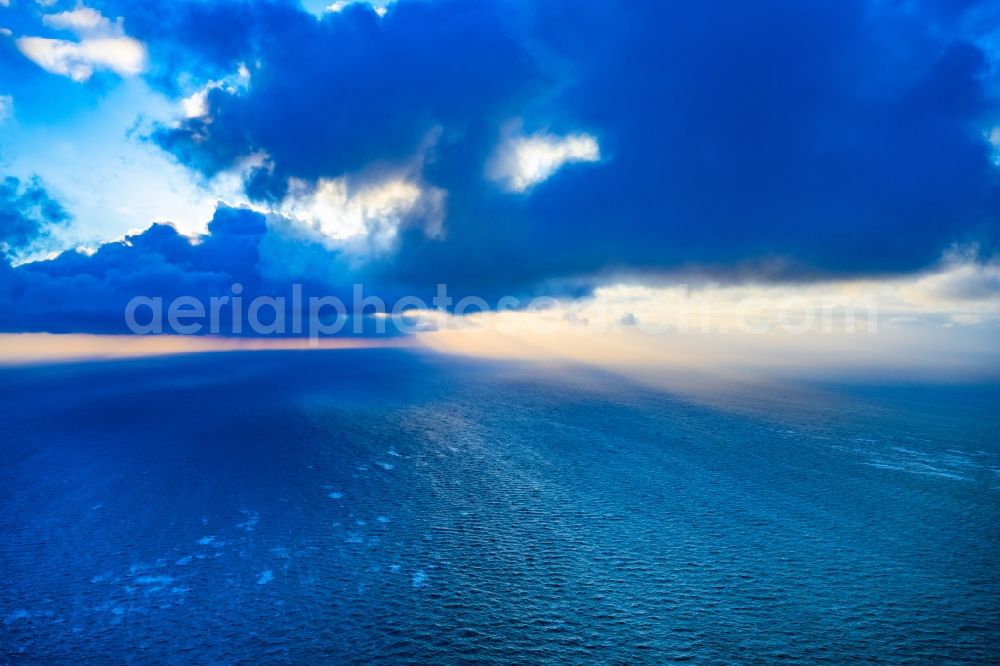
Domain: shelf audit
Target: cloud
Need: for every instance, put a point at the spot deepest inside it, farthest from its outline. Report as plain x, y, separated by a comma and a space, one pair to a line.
785, 141
779, 142
363, 220
87, 291
77, 291
6, 108
523, 161
27, 214
379, 6
82, 21
78, 60
195, 105
340, 123
102, 46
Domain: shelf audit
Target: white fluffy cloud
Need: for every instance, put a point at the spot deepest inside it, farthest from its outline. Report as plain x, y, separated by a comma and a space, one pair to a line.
102, 44
364, 220
78, 60
523, 161
82, 21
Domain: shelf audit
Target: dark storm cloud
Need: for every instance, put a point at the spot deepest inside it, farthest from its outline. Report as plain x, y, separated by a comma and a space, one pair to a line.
80, 292
334, 95
841, 138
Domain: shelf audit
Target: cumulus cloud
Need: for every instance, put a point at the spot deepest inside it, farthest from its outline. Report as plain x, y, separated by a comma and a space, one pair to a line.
363, 219
88, 291
102, 45
78, 60
523, 161
82, 21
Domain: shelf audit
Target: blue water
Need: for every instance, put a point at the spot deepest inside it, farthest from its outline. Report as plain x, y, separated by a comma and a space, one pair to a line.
397, 507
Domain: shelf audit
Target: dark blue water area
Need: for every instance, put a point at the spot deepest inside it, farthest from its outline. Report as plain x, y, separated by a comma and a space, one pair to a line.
399, 507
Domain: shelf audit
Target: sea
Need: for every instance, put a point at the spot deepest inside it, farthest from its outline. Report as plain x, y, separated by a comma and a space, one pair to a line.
396, 506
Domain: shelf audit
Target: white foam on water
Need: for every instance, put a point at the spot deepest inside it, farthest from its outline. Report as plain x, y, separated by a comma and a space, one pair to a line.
154, 580
204, 541
384, 465
392, 452
266, 577
419, 579
924, 470
336, 495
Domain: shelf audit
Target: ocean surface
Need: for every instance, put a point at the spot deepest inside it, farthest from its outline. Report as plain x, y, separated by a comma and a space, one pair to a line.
395, 506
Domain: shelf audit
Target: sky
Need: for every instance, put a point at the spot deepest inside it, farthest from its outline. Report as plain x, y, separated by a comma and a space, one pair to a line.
623, 163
